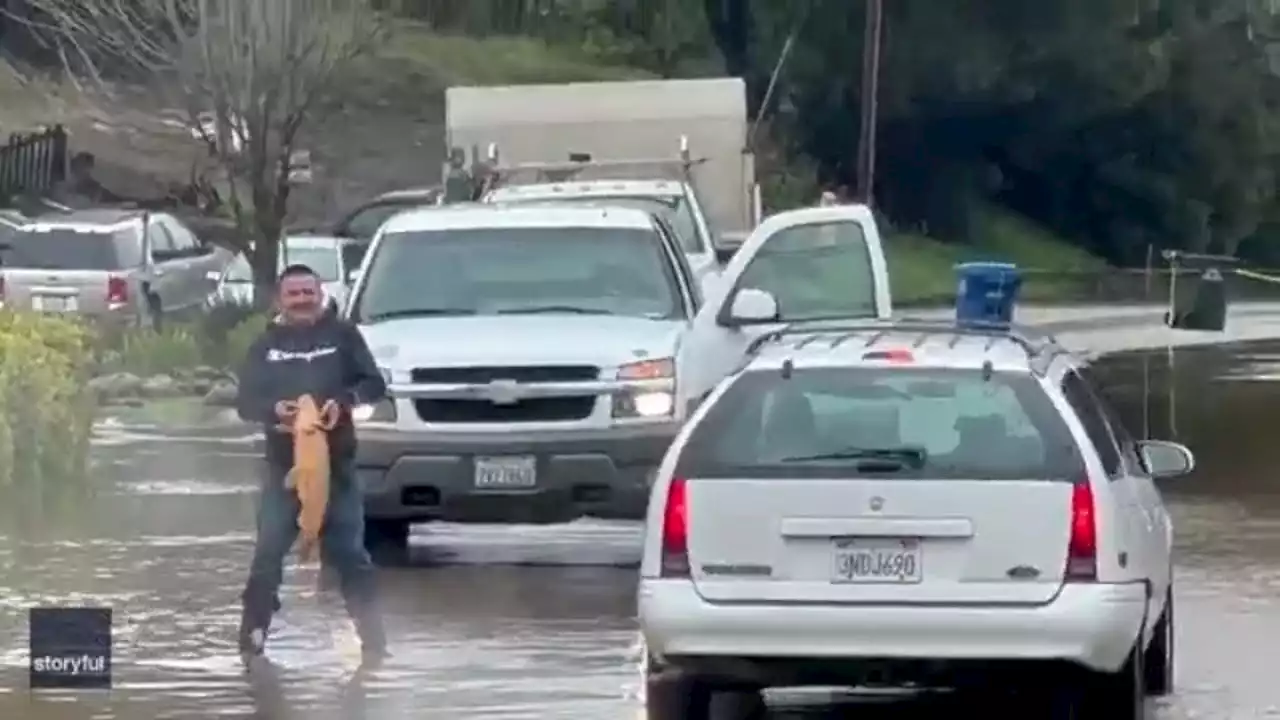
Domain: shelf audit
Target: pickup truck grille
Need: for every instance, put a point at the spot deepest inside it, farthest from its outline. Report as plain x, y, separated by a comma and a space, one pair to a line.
482, 411
529, 374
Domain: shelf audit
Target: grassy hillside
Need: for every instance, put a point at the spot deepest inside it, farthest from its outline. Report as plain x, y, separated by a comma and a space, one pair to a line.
923, 269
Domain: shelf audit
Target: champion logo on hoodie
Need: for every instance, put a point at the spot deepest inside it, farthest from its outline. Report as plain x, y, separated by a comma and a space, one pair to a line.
275, 356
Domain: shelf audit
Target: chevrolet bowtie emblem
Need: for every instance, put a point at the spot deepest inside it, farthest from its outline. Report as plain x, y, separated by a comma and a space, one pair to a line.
501, 392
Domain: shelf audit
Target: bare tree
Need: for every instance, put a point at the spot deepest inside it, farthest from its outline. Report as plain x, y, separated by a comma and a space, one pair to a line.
247, 74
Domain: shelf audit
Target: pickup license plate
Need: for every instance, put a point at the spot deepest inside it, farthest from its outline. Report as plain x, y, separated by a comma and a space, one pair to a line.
519, 472
877, 560
52, 303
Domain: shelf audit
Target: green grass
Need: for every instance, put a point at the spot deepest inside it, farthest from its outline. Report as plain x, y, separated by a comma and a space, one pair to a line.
923, 269
414, 66
456, 60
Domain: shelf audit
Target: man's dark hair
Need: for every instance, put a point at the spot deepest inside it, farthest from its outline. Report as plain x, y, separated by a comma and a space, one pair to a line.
297, 270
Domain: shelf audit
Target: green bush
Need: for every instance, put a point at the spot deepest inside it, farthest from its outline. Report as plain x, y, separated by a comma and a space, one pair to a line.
143, 351
218, 338
46, 409
217, 329
241, 337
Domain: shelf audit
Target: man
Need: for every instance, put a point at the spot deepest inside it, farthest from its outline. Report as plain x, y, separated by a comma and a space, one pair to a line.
308, 351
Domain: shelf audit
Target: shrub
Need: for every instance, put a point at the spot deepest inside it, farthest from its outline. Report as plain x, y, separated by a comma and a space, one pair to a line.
46, 409
241, 337
218, 338
216, 331
148, 352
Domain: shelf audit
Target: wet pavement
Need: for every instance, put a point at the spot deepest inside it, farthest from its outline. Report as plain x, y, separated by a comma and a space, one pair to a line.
537, 622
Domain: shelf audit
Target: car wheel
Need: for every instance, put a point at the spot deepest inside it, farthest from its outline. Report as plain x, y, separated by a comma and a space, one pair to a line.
676, 696
387, 541
1158, 661
1118, 695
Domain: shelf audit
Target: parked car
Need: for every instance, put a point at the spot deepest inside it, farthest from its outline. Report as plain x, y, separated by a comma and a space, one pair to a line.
334, 260
120, 265
541, 358
909, 504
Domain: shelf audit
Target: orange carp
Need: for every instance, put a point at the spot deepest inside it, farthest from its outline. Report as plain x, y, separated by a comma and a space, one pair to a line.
309, 477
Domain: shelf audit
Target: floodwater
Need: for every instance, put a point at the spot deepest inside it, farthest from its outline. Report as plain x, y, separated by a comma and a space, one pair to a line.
536, 622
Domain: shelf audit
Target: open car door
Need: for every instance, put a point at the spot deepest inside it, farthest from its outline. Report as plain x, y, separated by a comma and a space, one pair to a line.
807, 265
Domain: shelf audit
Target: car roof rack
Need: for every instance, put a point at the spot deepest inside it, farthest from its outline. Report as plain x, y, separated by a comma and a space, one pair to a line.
679, 167
1040, 347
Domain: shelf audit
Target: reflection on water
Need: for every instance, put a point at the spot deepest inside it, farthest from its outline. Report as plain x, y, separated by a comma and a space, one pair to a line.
536, 622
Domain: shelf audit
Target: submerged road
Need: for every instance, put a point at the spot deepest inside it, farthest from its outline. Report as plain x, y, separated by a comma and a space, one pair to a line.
537, 622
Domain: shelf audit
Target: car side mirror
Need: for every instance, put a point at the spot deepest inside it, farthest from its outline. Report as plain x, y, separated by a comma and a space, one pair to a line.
727, 245
213, 275
750, 306
1164, 459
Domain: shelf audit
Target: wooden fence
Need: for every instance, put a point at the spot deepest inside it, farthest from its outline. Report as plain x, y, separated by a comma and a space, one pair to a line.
33, 163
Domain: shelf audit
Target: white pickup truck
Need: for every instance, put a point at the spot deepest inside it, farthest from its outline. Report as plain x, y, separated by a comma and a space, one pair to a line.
541, 359
678, 147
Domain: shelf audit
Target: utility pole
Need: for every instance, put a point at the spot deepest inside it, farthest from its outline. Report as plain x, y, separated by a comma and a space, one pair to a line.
870, 89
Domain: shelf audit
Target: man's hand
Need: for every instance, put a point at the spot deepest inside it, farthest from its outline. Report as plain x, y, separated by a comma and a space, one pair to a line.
330, 413
286, 411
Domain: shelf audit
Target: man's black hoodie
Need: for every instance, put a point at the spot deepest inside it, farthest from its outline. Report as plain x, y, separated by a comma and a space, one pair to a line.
328, 360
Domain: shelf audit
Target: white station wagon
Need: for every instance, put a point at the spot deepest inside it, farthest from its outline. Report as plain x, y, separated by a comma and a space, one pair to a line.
908, 504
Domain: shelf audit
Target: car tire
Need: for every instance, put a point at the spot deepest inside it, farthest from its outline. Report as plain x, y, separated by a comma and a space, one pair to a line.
1118, 695
387, 541
1158, 661
677, 696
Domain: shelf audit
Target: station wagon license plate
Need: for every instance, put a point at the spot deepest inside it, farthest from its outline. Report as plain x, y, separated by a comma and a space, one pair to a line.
877, 560
517, 472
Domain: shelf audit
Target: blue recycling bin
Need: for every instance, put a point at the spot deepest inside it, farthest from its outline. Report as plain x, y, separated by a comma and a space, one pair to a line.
987, 294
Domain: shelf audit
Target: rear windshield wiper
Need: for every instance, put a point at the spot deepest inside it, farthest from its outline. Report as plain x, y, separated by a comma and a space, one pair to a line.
539, 309
912, 457
418, 312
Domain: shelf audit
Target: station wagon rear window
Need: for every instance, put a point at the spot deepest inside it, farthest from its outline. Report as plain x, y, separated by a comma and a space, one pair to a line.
883, 423
65, 249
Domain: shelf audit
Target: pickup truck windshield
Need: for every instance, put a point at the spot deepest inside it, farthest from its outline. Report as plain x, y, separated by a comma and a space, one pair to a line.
675, 209
498, 271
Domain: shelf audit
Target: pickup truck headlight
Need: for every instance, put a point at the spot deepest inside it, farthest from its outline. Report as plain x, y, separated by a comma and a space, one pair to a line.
656, 401
383, 411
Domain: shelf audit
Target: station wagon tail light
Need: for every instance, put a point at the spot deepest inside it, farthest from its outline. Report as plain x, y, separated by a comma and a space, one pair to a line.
675, 531
117, 290
1082, 548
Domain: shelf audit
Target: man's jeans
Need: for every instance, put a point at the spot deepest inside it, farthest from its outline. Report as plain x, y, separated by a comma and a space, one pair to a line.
342, 547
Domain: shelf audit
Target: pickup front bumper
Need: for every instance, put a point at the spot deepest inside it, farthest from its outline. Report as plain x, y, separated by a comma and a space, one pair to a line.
417, 476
